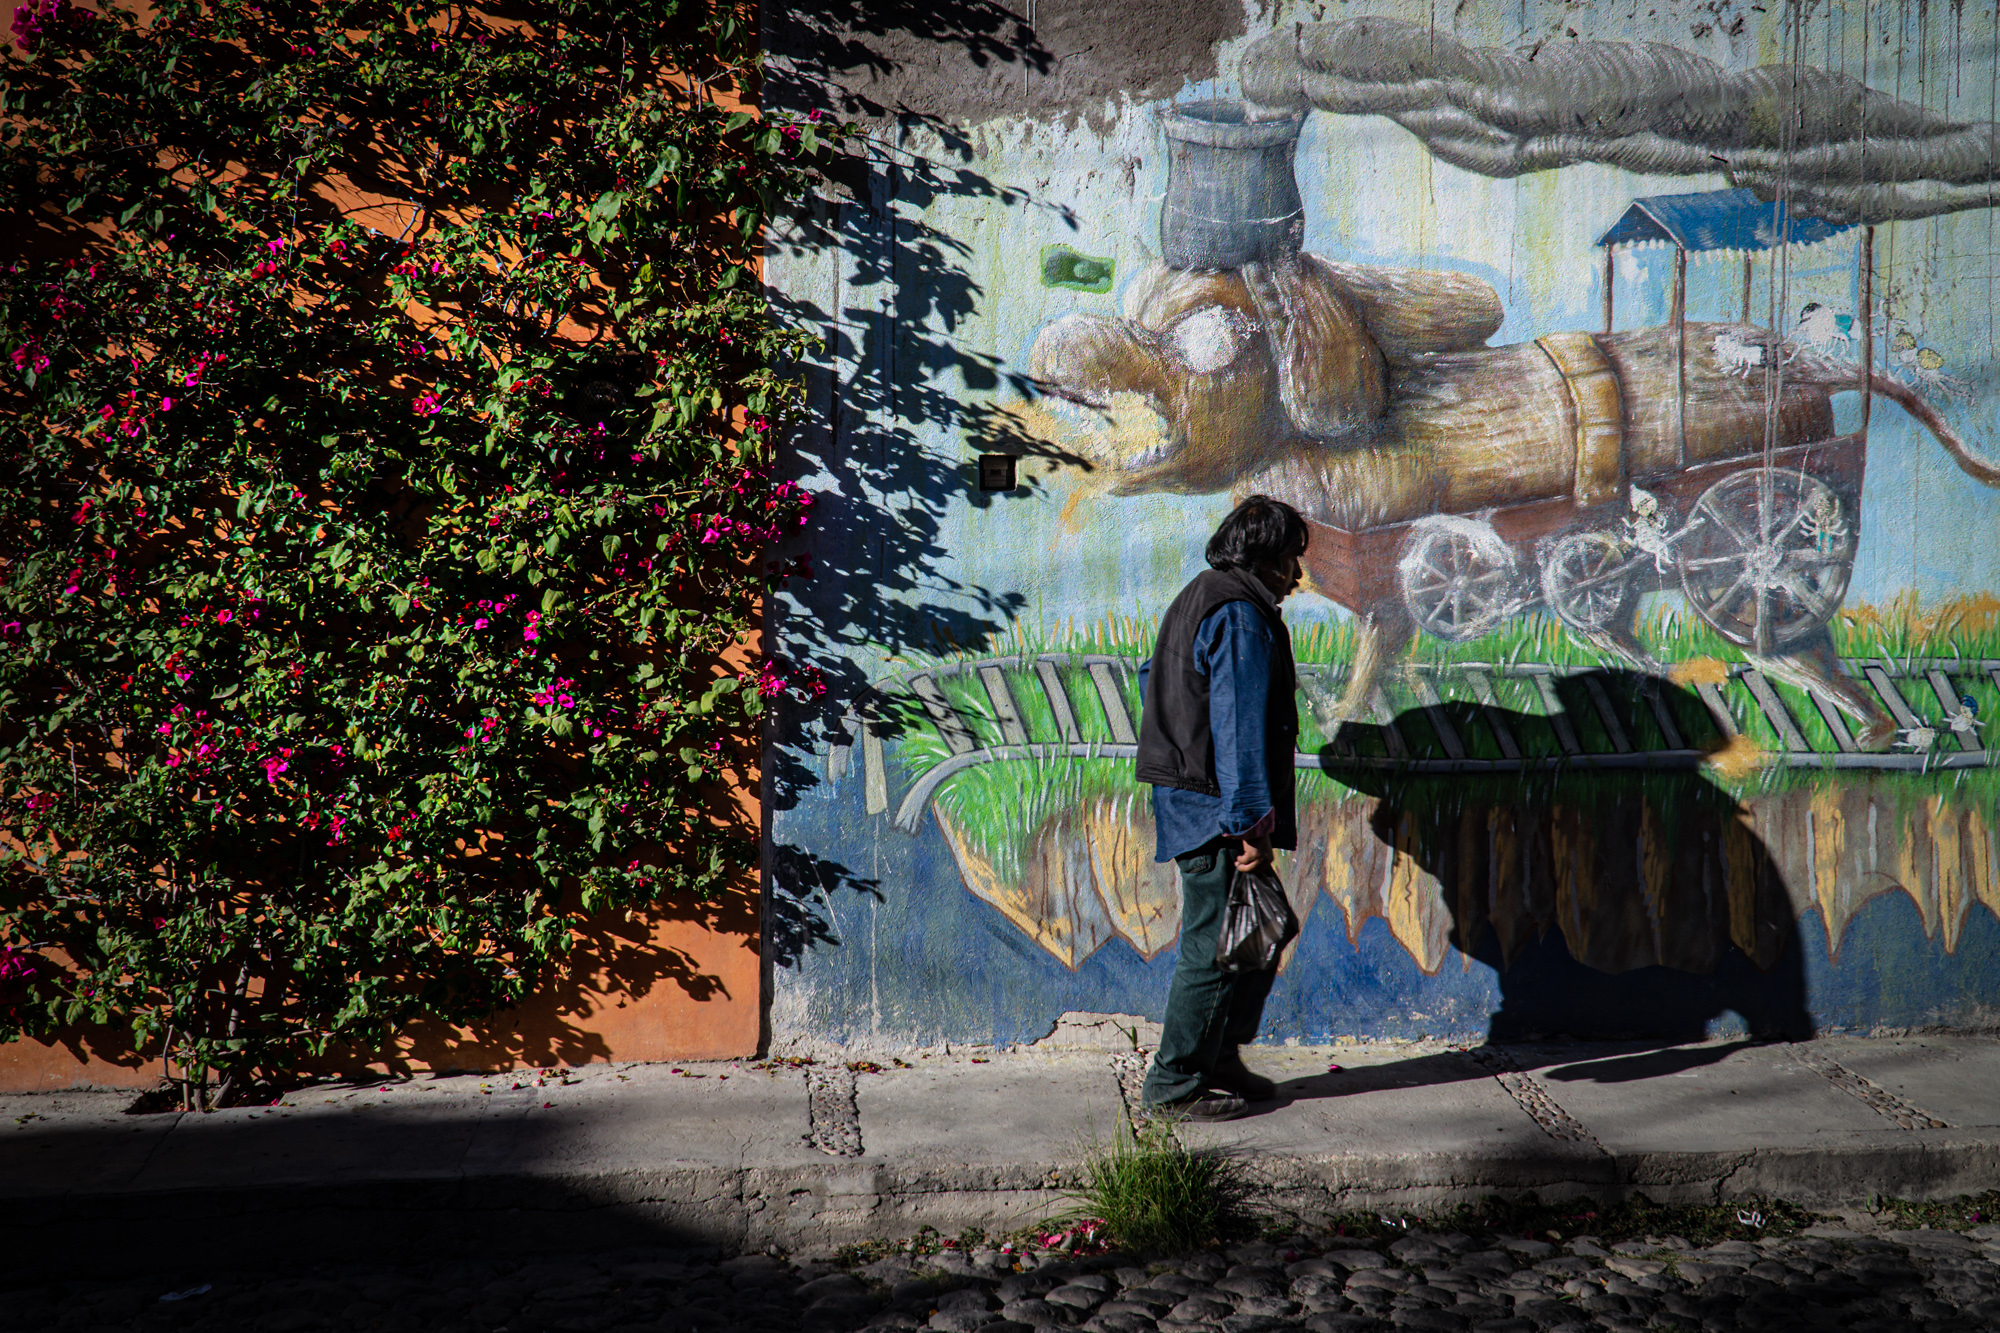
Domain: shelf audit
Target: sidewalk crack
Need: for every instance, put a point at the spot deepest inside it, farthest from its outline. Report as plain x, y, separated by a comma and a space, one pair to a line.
1737, 1164
1130, 1070
833, 1114
1871, 1094
1533, 1097
153, 1148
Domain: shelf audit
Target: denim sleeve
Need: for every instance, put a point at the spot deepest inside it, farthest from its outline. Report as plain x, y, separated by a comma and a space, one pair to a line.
1233, 649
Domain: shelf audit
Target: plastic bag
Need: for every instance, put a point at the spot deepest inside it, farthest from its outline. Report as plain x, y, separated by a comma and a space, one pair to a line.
1257, 924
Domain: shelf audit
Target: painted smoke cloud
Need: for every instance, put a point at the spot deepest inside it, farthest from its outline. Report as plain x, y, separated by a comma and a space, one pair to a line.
1836, 147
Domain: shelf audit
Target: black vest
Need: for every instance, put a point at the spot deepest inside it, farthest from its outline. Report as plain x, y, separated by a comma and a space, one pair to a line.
1175, 746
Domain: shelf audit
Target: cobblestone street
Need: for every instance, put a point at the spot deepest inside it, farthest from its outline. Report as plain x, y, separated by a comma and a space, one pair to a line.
1827, 1278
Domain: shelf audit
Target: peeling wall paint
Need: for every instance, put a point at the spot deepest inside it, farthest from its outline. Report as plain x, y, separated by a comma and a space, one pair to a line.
1786, 816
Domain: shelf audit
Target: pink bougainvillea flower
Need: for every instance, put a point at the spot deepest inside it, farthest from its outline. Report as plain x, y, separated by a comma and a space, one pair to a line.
223, 616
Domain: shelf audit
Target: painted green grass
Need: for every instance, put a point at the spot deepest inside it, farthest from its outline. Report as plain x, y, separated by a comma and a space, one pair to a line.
1003, 806
1323, 643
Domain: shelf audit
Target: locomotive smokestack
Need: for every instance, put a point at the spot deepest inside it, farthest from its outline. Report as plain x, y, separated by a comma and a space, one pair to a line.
1231, 196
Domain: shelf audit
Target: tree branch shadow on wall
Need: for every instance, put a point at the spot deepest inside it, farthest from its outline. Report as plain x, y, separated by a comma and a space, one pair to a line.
799, 908
892, 300
1629, 904
851, 36
968, 61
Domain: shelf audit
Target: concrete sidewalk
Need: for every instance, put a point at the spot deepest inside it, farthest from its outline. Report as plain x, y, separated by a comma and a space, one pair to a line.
807, 1157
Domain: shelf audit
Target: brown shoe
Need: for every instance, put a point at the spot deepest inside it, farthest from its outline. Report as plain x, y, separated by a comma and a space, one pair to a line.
1206, 1106
1232, 1076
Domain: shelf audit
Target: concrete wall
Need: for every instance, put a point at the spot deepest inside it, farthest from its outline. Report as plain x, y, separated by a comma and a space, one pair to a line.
1783, 816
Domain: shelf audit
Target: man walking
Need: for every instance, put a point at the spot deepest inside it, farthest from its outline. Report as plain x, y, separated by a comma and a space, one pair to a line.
1216, 741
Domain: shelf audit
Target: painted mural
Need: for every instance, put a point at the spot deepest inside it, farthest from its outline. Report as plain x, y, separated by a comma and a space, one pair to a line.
1638, 381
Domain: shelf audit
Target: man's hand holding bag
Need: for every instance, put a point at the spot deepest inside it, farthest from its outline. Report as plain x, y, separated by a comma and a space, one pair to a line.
1257, 924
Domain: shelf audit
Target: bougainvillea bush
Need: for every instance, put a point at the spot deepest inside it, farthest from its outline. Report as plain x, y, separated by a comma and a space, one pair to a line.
386, 424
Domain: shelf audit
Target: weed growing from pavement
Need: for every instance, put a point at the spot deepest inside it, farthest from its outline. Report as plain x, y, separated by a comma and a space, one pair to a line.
1154, 1191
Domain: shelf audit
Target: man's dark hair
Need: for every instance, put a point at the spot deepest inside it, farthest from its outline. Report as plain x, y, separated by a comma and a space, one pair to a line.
1258, 534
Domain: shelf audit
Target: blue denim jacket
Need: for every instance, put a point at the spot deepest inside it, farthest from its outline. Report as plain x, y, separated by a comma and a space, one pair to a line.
1233, 649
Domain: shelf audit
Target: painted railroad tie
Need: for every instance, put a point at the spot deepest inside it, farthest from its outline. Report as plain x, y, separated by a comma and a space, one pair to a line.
1489, 704
1663, 716
1009, 717
1947, 697
1776, 713
1718, 707
1593, 685
1558, 715
1113, 700
1892, 698
1836, 722
1062, 679
1058, 697
958, 737
1447, 735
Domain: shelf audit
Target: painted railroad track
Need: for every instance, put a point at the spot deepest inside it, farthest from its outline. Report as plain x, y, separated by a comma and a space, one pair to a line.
1460, 717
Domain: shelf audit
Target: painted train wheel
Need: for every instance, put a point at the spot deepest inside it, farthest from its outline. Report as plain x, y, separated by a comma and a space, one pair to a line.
1458, 577
1587, 580
1766, 556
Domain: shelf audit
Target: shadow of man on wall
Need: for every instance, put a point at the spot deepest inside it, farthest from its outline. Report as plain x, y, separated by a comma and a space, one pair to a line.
1619, 893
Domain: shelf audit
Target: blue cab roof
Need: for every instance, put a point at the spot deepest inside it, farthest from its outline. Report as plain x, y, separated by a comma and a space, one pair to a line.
1716, 220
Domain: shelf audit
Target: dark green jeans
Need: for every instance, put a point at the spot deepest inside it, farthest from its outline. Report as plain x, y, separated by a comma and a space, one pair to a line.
1209, 1012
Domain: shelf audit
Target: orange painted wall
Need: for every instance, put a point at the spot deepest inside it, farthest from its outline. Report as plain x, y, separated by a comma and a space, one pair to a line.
683, 985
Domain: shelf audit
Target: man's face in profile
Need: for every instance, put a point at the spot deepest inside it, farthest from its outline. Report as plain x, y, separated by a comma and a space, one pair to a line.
1282, 578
